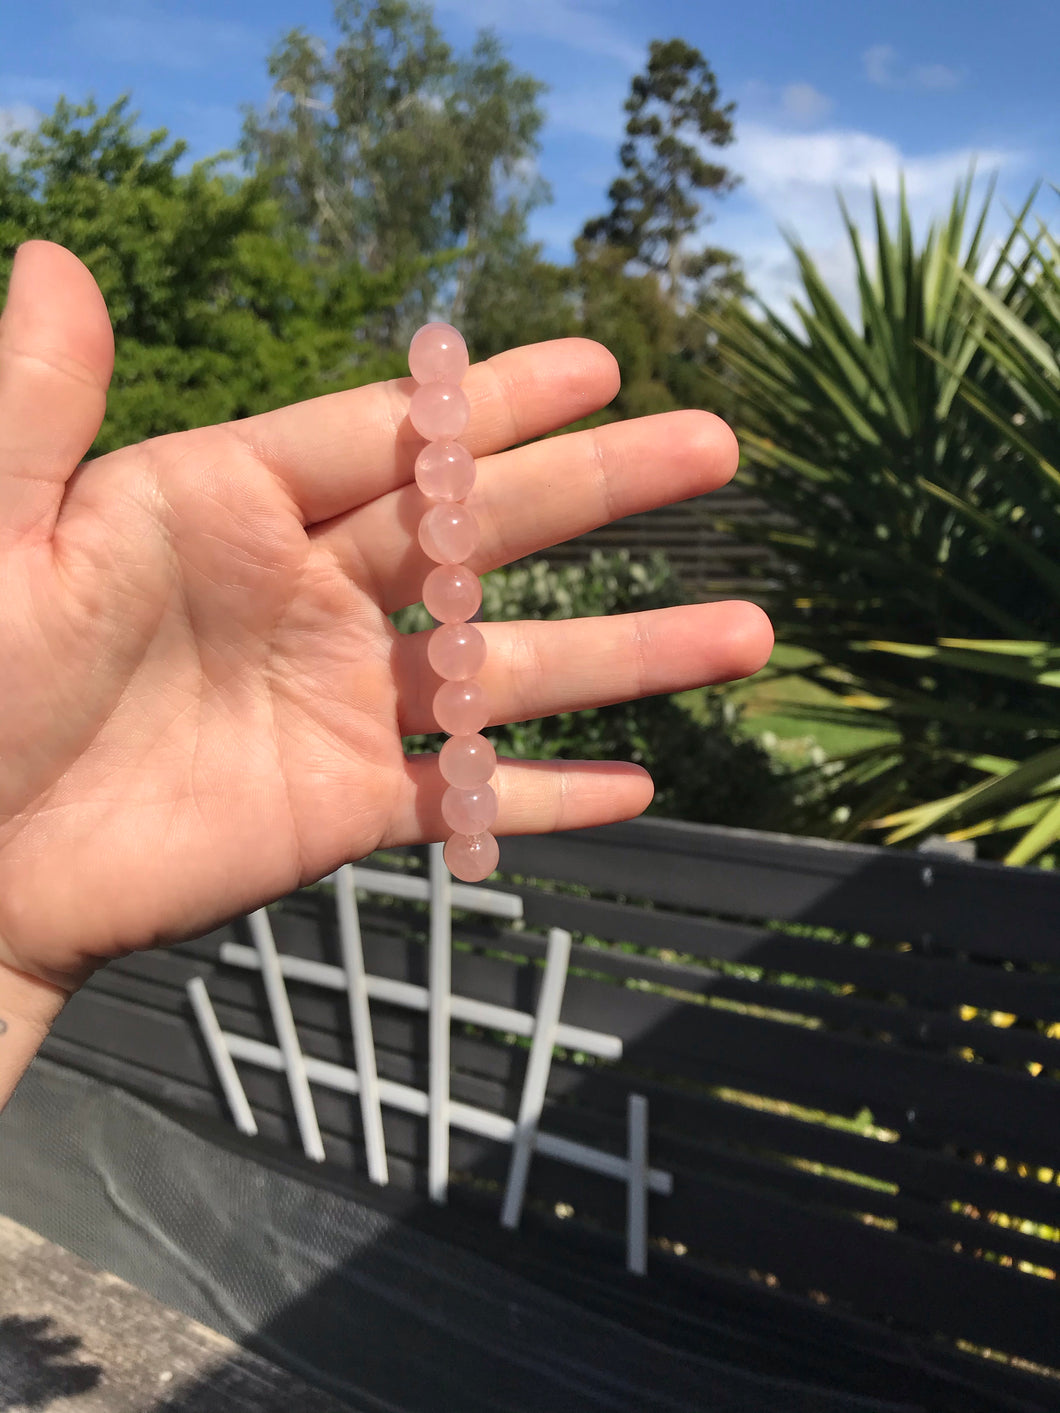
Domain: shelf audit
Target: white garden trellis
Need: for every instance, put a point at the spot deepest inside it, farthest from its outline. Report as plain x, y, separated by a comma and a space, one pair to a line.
544, 1028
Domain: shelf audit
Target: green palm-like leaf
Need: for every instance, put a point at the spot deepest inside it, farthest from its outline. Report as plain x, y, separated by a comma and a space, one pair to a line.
911, 454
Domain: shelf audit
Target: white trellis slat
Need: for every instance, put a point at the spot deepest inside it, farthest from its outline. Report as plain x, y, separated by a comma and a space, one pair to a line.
486, 901
465, 1117
416, 998
217, 1045
283, 1021
535, 1082
361, 1024
439, 1022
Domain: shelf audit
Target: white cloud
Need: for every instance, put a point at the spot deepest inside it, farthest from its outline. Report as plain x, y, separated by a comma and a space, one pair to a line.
14, 117
935, 76
879, 64
882, 67
790, 183
804, 103
796, 104
22, 102
579, 24
781, 165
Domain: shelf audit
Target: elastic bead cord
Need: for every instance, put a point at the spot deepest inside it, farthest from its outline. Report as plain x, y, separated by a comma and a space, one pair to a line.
449, 534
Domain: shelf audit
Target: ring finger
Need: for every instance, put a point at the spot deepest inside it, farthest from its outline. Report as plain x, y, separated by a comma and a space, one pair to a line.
538, 668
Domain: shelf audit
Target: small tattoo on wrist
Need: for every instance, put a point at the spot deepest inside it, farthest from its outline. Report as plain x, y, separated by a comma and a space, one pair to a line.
3, 1025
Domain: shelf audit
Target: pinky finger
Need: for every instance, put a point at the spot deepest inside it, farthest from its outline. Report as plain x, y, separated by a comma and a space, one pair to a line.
534, 797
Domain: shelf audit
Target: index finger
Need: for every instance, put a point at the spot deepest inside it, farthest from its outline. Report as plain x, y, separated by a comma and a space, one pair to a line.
337, 452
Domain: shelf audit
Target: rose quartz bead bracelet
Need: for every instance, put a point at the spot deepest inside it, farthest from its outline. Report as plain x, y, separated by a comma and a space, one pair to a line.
452, 594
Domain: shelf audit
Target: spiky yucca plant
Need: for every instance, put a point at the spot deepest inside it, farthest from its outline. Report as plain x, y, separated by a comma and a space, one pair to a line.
1016, 798
912, 453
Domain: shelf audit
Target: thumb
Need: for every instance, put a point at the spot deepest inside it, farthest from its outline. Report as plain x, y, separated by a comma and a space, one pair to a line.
56, 360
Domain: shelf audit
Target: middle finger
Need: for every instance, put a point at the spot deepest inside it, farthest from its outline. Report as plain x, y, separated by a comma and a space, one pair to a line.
536, 496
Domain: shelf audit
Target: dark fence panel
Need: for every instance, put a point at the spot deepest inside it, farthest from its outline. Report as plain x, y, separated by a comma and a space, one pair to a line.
851, 1057
708, 559
972, 908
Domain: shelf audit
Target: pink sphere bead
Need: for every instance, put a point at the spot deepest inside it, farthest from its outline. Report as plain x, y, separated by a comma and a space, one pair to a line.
452, 594
449, 533
471, 857
437, 354
445, 470
461, 708
456, 651
469, 811
467, 761
439, 410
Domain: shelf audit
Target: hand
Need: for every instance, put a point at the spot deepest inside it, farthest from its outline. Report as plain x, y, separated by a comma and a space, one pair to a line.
203, 698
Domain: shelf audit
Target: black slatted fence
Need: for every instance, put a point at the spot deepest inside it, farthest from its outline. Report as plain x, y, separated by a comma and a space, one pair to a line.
708, 559
851, 1057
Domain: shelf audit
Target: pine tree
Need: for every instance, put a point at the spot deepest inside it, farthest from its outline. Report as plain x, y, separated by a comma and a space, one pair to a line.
675, 110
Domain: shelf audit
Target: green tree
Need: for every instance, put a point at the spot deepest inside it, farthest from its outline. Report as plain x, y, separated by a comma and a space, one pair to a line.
674, 109
517, 297
394, 151
632, 315
217, 311
514, 295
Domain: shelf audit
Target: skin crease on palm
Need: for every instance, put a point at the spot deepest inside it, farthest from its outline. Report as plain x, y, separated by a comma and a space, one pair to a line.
203, 698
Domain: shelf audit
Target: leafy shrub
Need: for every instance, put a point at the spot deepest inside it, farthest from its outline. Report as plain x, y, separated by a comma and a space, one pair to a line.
219, 309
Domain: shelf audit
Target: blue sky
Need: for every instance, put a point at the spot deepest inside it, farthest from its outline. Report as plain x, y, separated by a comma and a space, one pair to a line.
829, 93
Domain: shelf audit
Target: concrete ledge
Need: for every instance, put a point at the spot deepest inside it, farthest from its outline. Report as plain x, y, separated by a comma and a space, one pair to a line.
75, 1337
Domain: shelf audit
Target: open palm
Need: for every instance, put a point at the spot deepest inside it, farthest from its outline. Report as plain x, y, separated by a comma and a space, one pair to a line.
204, 698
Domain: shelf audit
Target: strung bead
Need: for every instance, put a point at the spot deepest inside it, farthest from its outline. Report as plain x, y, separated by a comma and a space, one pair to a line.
437, 354
439, 410
471, 857
467, 761
461, 708
456, 651
449, 533
451, 593
445, 470
469, 811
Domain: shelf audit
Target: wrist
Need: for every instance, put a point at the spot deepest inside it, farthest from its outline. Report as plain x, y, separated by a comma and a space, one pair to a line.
28, 1008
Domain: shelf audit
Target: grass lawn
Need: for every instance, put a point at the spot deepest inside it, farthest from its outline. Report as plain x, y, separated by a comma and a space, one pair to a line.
768, 705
